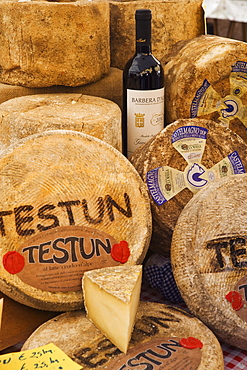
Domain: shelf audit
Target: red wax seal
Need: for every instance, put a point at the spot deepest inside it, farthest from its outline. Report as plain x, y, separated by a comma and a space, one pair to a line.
13, 262
120, 252
236, 300
191, 343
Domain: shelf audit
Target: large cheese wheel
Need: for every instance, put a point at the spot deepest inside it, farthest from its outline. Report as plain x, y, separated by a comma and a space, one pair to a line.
207, 77
108, 87
209, 258
47, 43
27, 115
187, 15
184, 157
86, 345
67, 199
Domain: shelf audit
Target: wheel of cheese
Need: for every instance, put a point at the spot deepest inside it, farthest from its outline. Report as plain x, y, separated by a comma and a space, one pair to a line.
188, 16
156, 324
183, 158
209, 258
67, 199
27, 115
207, 78
108, 87
45, 43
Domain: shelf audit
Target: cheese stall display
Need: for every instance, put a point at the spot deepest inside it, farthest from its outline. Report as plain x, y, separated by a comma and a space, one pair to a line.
45, 43
209, 258
27, 115
164, 337
188, 16
206, 78
70, 203
183, 158
111, 298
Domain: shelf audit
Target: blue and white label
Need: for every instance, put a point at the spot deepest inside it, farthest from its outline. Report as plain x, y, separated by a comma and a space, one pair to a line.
152, 179
236, 163
186, 132
194, 176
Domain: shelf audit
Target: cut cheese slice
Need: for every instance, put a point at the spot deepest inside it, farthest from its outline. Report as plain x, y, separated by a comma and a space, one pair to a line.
111, 297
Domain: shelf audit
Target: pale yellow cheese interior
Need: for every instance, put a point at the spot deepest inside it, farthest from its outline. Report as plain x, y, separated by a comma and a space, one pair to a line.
111, 297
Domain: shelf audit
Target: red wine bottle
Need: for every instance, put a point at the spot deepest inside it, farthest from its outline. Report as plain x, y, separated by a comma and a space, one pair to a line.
143, 90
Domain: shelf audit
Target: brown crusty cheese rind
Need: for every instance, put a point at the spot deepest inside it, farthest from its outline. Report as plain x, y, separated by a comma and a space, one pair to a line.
61, 165
54, 43
217, 212
190, 63
86, 345
159, 151
28, 115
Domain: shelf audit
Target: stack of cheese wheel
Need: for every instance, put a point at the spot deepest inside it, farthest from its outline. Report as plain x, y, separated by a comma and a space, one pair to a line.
207, 77
67, 199
186, 15
179, 161
209, 258
31, 114
47, 43
158, 328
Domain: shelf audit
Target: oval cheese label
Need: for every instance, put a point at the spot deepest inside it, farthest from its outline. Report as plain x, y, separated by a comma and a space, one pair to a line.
55, 260
160, 353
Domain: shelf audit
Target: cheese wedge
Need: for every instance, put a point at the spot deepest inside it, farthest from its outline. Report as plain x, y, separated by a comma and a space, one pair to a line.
111, 297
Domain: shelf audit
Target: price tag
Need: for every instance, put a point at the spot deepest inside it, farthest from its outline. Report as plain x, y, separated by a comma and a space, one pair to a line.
48, 357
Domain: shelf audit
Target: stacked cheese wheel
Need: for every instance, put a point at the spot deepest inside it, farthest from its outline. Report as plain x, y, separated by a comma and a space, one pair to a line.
67, 199
209, 258
47, 43
179, 161
31, 114
187, 15
206, 77
157, 326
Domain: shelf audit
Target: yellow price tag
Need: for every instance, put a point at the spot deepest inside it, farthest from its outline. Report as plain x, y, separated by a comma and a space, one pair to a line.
48, 357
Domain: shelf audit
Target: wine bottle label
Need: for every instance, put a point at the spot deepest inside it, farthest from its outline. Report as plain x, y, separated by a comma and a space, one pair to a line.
145, 116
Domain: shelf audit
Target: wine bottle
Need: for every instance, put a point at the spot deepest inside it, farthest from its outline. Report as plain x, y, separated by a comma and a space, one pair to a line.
143, 90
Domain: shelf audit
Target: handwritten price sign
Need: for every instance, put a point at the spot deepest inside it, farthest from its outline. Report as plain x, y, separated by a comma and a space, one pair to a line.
48, 357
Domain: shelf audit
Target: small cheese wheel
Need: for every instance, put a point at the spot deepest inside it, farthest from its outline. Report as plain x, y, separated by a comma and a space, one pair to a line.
188, 16
184, 157
47, 43
209, 258
67, 199
207, 78
86, 345
27, 115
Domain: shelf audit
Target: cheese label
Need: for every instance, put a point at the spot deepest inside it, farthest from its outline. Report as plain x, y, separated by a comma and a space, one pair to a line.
207, 100
241, 288
159, 353
48, 357
145, 116
165, 182
55, 260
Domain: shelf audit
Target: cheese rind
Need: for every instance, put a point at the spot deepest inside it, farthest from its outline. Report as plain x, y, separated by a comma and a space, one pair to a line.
54, 43
111, 297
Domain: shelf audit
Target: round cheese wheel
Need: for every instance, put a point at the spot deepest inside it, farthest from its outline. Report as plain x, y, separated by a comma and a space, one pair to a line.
27, 115
209, 258
183, 158
156, 324
67, 199
47, 43
108, 87
207, 78
188, 16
